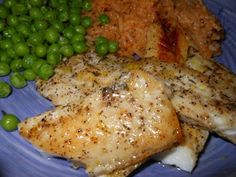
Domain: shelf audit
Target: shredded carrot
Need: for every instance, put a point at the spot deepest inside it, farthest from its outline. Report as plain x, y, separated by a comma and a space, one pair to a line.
129, 22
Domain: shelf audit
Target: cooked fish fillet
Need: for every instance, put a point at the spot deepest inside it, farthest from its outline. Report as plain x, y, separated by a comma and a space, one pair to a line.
185, 155
220, 77
194, 95
78, 77
115, 127
197, 100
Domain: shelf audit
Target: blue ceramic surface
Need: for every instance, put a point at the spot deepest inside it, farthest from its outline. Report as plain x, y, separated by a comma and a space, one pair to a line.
20, 159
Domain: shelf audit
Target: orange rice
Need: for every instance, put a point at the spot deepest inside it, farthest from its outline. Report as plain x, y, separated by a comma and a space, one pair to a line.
129, 22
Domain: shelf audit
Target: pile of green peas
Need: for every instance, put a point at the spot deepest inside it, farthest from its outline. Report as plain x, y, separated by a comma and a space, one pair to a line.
36, 34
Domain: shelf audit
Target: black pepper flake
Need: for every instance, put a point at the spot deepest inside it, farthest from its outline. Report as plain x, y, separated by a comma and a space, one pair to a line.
136, 57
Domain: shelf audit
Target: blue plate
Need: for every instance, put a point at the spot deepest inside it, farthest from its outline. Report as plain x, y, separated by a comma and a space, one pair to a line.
19, 159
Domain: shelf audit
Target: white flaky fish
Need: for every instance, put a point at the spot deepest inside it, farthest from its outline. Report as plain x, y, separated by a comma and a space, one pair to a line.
185, 154
198, 97
115, 127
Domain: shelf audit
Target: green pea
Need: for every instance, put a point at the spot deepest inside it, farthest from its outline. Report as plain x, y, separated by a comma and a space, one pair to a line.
62, 7
40, 24
24, 29
37, 64
67, 50
80, 47
50, 15
103, 19
63, 41
12, 20
11, 52
4, 69
16, 38
69, 32
101, 40
36, 38
53, 58
21, 49
5, 43
63, 16
9, 122
41, 50
80, 29
54, 48
87, 5
74, 19
113, 46
35, 13
51, 35
58, 25
44, 9
102, 49
17, 80
4, 57
28, 61
9, 32
87, 22
19, 9
5, 89
9, 3
45, 71
29, 74
16, 65
77, 37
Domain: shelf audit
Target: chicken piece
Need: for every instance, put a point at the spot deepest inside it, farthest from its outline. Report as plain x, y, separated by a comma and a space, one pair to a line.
185, 155
112, 128
195, 97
